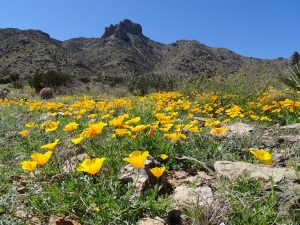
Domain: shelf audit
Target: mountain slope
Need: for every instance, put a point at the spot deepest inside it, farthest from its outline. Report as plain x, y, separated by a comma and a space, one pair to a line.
24, 52
122, 51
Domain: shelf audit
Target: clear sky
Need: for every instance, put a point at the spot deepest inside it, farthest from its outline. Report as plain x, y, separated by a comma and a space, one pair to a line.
257, 28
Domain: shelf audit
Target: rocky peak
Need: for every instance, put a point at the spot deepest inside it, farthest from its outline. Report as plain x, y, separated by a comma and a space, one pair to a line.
122, 30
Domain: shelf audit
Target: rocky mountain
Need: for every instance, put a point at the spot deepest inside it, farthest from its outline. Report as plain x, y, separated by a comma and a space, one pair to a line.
121, 52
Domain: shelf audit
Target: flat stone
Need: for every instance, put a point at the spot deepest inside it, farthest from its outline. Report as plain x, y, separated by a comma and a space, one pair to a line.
289, 138
179, 178
55, 220
184, 197
44, 117
70, 165
233, 170
35, 221
20, 214
268, 139
291, 126
149, 221
180, 174
240, 129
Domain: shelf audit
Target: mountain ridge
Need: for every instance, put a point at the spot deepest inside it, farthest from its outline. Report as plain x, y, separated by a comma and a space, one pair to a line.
122, 51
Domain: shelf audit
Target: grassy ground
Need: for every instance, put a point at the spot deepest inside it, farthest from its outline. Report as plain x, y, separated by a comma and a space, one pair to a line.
163, 123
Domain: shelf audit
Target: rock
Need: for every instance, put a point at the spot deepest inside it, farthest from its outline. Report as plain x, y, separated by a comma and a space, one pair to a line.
289, 198
291, 126
176, 217
46, 93
148, 221
44, 117
122, 30
145, 180
184, 197
240, 129
3, 93
35, 221
70, 165
129, 174
20, 214
54, 220
233, 170
180, 175
268, 140
179, 178
289, 139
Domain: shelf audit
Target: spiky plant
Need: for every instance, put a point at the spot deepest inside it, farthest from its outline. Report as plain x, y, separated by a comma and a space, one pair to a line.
292, 80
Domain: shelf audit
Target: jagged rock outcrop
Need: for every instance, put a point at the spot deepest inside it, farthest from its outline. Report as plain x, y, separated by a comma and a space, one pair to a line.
122, 30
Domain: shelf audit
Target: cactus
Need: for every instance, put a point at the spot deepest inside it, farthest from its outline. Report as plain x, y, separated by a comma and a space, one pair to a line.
293, 79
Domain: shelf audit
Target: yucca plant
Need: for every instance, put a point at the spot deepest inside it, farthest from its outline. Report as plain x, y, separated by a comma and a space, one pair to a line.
292, 80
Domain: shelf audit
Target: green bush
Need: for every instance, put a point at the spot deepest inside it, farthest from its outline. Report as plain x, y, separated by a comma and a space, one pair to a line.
49, 79
147, 83
5, 80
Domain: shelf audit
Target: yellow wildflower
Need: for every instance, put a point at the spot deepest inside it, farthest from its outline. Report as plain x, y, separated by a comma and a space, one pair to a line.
40, 158
94, 129
30, 125
137, 159
92, 116
175, 136
166, 127
78, 117
122, 131
119, 121
262, 155
265, 118
51, 145
218, 130
138, 128
24, 133
29, 165
71, 126
77, 140
133, 120
158, 171
52, 126
91, 166
164, 156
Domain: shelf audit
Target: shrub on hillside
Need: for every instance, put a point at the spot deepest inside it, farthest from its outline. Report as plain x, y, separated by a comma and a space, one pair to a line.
147, 83
15, 77
5, 80
49, 79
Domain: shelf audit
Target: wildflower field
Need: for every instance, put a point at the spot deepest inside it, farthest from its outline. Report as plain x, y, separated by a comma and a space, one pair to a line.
67, 158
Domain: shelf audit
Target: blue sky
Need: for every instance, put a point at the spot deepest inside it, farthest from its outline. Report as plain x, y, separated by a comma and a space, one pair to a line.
257, 28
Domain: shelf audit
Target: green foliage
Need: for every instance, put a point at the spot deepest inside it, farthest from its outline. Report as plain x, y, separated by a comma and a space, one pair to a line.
147, 83
15, 77
51, 79
249, 202
5, 80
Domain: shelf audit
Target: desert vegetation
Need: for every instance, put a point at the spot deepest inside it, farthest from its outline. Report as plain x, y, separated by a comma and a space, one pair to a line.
219, 150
